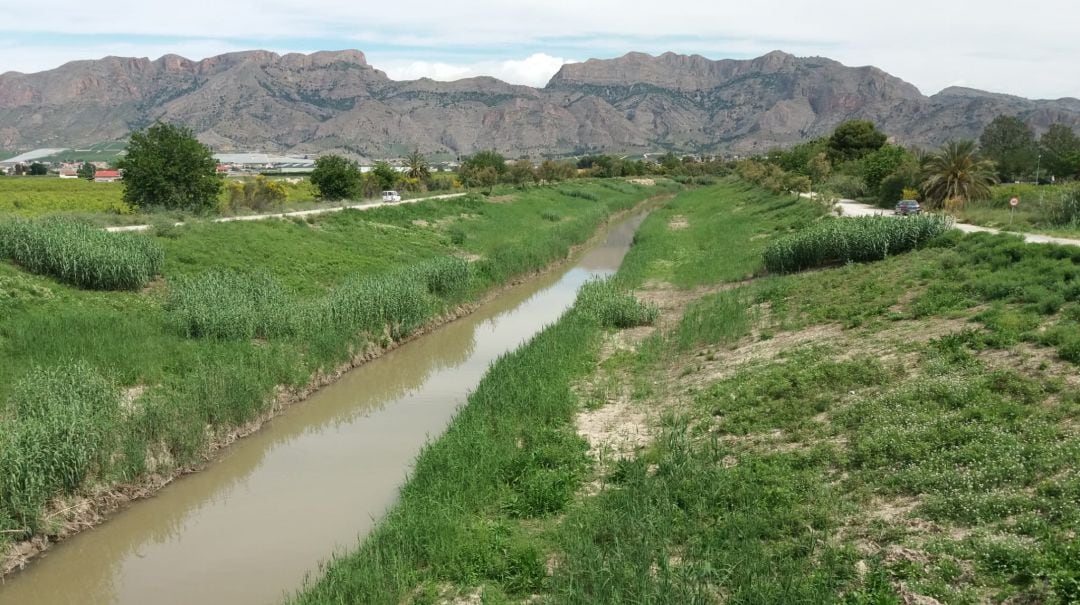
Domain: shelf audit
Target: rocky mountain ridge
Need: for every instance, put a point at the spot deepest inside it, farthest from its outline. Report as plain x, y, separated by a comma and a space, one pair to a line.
335, 100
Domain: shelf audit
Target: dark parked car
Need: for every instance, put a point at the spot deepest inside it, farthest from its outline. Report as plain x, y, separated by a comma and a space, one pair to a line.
906, 207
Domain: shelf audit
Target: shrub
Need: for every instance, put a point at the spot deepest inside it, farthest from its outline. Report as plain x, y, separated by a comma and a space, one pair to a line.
846, 186
59, 428
258, 194
847, 240
613, 307
79, 254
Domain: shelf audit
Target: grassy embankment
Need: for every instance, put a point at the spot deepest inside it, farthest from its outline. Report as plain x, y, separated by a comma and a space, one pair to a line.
1049, 209
899, 431
141, 375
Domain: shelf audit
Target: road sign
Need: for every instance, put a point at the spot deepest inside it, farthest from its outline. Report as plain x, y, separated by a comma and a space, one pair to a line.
1014, 202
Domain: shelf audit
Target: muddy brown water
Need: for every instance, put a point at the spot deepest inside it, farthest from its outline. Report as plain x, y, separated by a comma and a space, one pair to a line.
252, 526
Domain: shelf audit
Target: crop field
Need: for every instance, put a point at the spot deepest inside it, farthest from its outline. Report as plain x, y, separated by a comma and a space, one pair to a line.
897, 431
37, 196
102, 386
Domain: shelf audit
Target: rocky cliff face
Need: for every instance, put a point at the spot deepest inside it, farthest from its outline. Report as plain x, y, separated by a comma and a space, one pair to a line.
336, 100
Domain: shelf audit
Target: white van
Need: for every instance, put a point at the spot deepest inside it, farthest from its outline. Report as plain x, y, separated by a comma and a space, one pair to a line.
391, 196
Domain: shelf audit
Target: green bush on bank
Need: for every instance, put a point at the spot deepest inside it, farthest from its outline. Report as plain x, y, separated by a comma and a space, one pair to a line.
860, 239
81, 255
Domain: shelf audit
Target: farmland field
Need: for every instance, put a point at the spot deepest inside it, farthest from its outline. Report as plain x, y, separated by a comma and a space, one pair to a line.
105, 386
103, 202
898, 431
36, 196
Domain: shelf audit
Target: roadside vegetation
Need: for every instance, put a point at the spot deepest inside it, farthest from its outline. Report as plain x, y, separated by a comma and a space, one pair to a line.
151, 379
899, 431
972, 181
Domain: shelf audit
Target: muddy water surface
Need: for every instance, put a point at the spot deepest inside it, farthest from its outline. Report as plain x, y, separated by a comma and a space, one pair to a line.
313, 481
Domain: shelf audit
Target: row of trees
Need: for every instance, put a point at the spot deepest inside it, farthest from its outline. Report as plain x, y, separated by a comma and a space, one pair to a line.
166, 166
857, 161
1010, 143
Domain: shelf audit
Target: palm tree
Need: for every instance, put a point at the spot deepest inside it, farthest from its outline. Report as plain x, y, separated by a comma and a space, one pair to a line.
417, 167
957, 172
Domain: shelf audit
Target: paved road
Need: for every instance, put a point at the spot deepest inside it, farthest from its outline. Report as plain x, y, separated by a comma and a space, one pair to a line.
299, 213
853, 208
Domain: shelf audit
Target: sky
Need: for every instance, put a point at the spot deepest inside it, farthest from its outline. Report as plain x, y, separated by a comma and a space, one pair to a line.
996, 45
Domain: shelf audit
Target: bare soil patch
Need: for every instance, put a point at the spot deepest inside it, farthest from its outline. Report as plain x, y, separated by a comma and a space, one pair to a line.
678, 223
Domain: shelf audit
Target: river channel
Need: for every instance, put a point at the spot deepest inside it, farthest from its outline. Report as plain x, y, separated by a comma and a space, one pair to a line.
257, 521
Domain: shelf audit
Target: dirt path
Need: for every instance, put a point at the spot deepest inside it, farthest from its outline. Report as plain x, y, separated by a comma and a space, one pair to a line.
853, 208
299, 213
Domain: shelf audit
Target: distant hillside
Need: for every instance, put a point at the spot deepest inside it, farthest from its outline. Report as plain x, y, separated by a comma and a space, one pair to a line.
336, 100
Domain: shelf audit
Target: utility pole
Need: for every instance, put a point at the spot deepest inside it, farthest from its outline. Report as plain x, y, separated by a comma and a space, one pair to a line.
1038, 168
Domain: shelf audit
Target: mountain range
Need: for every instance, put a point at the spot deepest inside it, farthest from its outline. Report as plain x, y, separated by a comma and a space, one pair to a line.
259, 100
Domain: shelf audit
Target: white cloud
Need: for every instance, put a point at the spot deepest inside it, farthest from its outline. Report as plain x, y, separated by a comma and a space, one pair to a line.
990, 44
534, 70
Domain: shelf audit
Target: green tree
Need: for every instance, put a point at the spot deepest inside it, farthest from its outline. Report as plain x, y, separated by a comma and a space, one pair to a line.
167, 167
385, 174
336, 178
1010, 143
818, 168
956, 172
854, 140
551, 171
881, 163
1059, 146
87, 171
799, 157
38, 169
484, 177
417, 167
670, 163
522, 173
908, 175
486, 159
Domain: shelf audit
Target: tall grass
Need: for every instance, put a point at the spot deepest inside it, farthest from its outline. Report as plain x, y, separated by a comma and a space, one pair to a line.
236, 305
612, 307
79, 254
58, 426
860, 239
721, 318
231, 304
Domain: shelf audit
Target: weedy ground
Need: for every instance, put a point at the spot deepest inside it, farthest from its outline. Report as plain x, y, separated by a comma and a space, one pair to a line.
899, 431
